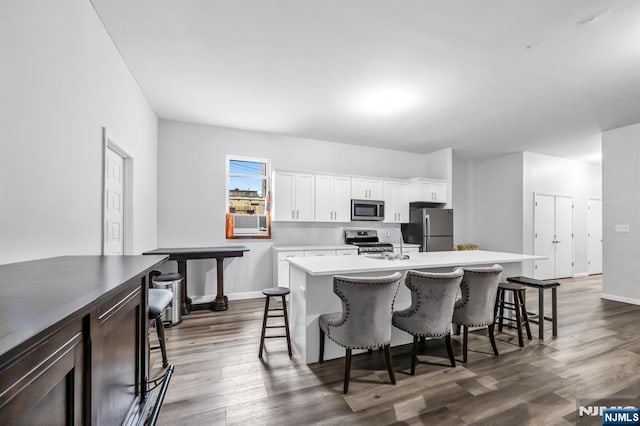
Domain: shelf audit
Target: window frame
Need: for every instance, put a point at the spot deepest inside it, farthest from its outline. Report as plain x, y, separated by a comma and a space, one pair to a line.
267, 185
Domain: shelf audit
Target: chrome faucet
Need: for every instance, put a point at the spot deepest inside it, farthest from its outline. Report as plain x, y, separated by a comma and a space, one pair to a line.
402, 255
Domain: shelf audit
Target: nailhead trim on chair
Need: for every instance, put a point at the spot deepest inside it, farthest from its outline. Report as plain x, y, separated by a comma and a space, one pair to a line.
466, 285
345, 310
409, 284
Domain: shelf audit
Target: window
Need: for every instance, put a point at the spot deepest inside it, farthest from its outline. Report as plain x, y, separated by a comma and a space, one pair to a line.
248, 198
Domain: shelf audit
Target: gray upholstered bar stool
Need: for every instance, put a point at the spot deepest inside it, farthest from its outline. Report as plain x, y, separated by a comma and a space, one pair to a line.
476, 307
275, 292
433, 296
159, 299
365, 320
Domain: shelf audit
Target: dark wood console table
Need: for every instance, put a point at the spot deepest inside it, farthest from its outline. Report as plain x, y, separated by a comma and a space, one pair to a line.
73, 340
182, 255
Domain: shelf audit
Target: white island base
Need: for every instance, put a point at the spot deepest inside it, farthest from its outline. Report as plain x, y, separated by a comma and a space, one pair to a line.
311, 283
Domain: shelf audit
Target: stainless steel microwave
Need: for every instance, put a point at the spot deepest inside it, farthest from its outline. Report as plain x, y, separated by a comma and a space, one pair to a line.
367, 210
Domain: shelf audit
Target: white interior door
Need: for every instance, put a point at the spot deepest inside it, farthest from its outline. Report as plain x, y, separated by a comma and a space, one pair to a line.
544, 233
114, 203
563, 237
594, 236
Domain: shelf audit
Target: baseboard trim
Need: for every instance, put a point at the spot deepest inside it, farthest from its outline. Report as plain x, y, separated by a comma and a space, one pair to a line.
245, 295
581, 275
207, 298
620, 299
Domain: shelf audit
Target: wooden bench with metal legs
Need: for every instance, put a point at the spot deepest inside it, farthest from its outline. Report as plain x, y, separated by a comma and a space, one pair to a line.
540, 318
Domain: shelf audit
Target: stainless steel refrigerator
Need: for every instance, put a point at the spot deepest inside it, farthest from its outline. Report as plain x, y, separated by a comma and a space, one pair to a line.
432, 228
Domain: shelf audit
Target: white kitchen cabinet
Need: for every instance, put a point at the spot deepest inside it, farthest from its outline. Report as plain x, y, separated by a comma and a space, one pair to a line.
347, 252
314, 253
396, 201
332, 198
428, 190
281, 265
407, 250
293, 197
367, 189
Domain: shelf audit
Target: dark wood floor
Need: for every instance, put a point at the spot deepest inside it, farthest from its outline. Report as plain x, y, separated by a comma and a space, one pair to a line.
219, 379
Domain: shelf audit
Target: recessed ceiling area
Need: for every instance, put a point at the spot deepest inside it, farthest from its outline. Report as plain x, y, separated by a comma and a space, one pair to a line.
483, 77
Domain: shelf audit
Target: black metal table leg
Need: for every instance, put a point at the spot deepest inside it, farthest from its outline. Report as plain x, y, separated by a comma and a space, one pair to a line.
541, 314
554, 310
186, 300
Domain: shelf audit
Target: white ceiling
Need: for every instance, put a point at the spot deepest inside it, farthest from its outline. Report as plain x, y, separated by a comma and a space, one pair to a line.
484, 77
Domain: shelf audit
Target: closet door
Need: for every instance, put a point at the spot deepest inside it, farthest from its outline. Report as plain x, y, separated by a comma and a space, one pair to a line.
553, 236
564, 237
544, 236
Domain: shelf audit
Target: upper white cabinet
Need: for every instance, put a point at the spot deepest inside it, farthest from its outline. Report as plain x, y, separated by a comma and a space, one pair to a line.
367, 189
333, 198
396, 201
294, 196
429, 190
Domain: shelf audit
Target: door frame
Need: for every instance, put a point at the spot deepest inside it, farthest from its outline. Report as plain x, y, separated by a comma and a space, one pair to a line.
594, 198
127, 196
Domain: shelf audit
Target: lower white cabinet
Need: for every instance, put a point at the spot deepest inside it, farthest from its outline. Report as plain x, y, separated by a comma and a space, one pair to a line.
346, 252
407, 250
281, 265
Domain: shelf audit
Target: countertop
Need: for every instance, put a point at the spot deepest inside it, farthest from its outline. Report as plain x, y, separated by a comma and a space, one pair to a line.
38, 294
331, 247
331, 265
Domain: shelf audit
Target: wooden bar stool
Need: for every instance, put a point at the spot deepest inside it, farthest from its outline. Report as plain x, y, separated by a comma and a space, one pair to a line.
275, 292
517, 306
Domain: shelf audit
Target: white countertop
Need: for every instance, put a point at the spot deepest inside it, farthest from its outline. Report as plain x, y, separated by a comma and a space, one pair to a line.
331, 265
331, 247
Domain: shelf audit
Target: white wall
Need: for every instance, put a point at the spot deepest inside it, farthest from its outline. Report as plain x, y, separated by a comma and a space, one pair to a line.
460, 203
62, 80
621, 205
191, 192
560, 176
500, 200
495, 207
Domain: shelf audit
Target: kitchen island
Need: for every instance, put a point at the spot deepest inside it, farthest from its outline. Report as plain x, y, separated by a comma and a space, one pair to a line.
311, 283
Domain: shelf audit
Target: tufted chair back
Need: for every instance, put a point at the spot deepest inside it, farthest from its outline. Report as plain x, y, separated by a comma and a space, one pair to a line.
432, 299
367, 306
479, 289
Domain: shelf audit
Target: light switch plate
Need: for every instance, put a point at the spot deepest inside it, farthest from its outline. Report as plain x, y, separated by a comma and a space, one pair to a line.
623, 228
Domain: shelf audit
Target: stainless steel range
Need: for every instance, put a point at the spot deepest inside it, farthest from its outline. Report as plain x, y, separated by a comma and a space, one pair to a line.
367, 241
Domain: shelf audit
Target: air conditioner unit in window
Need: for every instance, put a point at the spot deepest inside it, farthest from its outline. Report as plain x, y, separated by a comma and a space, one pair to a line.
249, 225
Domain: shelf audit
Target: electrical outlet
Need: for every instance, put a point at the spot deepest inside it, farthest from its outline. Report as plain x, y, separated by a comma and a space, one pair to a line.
623, 228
